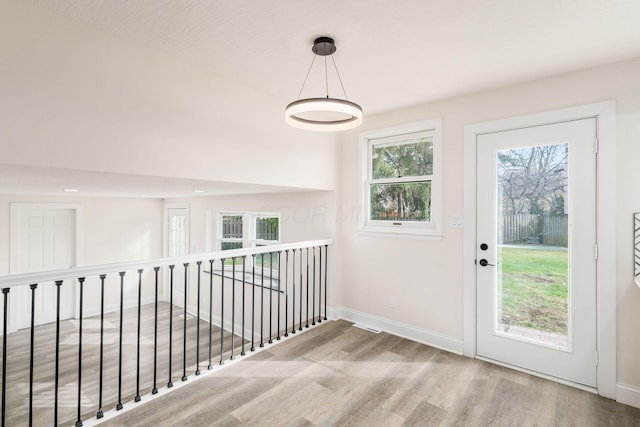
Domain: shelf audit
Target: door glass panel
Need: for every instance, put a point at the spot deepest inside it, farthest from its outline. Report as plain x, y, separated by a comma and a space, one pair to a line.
532, 283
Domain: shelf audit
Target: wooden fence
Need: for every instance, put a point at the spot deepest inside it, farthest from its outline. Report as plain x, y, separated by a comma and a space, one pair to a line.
266, 228
534, 229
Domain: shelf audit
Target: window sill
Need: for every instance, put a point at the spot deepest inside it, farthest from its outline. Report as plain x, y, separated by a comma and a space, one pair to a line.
397, 233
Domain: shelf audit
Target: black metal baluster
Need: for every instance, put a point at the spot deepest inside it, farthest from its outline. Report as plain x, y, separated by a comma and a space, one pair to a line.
210, 309
171, 267
137, 398
244, 258
262, 301
79, 419
57, 363
184, 323
307, 288
293, 295
154, 390
300, 308
313, 294
5, 292
199, 263
253, 300
233, 307
278, 295
270, 297
119, 405
31, 350
320, 287
286, 293
100, 413
222, 314
326, 262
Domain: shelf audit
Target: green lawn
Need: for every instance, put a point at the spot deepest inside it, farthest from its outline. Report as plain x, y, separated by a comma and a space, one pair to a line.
534, 288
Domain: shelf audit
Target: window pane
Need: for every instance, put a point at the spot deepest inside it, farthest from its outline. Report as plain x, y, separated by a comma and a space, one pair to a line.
532, 273
232, 227
409, 201
230, 245
269, 260
267, 228
411, 159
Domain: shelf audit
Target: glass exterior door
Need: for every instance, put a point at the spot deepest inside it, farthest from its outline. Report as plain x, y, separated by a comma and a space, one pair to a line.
535, 249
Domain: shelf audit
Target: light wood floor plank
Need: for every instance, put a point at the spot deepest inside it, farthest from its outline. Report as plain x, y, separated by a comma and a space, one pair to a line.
338, 375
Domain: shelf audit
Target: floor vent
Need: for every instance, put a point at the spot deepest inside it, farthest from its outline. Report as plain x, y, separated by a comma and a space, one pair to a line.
366, 328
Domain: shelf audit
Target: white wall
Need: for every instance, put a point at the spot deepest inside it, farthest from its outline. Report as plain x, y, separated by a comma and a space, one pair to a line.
426, 276
74, 97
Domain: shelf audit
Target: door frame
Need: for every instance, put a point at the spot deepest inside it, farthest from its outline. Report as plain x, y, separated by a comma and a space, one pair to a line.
15, 211
605, 115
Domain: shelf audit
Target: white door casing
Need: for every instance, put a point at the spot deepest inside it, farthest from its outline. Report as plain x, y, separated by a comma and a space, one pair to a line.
573, 358
605, 114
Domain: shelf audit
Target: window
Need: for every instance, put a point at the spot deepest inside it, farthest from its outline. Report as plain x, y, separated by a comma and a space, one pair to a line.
248, 230
251, 230
402, 179
231, 235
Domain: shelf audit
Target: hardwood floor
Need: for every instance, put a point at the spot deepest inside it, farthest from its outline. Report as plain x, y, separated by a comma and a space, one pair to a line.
17, 403
336, 374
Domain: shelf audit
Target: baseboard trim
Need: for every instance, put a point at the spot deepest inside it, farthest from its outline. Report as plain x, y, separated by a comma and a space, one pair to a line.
629, 395
400, 329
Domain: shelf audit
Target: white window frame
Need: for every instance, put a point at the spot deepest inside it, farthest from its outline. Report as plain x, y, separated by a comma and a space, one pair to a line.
220, 239
395, 136
248, 229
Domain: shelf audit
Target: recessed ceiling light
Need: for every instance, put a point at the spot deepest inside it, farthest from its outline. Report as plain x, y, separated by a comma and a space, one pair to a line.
198, 191
71, 190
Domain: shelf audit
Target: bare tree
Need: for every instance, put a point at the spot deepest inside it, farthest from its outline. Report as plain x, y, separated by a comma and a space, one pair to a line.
533, 179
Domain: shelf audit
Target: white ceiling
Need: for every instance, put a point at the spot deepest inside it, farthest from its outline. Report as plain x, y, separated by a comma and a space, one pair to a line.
28, 180
391, 54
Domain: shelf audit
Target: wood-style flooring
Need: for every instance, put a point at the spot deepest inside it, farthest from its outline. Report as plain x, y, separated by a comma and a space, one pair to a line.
338, 375
17, 404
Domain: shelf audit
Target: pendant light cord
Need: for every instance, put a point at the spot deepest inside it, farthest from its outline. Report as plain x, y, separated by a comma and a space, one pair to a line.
305, 79
326, 76
339, 78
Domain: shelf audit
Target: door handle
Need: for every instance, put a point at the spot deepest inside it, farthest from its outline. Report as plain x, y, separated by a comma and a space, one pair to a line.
483, 262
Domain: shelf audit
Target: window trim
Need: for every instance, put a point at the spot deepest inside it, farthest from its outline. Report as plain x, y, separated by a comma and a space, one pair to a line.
394, 136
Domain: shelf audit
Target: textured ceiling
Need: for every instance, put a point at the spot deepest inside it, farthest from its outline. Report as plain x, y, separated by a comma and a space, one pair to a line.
390, 54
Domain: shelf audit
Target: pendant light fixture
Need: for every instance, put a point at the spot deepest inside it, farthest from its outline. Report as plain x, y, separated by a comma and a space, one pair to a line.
323, 114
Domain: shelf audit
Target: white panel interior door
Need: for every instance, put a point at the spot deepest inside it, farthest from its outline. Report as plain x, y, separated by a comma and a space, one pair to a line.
535, 249
45, 241
177, 245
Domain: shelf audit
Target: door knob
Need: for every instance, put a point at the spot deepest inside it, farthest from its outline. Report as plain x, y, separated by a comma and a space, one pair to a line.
483, 262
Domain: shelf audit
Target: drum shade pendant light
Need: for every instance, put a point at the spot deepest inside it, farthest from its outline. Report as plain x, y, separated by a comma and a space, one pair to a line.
323, 114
